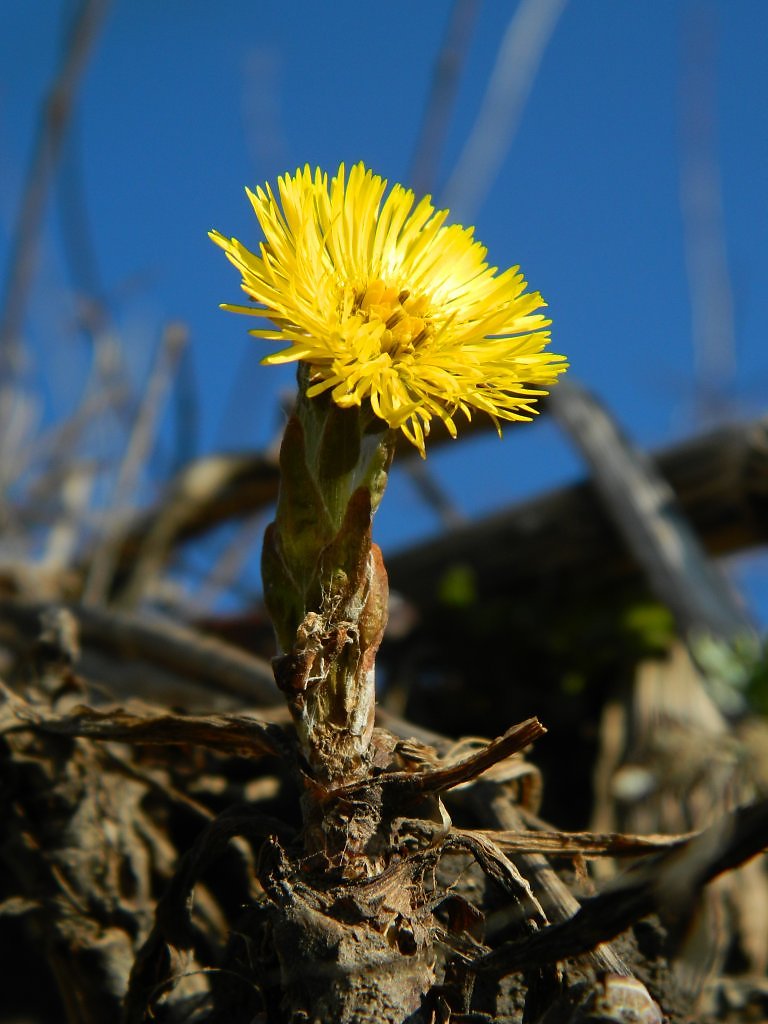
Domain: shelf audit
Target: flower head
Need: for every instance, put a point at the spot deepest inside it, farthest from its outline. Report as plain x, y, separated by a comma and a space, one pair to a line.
388, 304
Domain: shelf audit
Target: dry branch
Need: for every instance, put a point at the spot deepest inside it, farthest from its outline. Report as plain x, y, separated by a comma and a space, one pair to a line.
57, 110
668, 883
564, 543
560, 542
395, 901
139, 446
494, 807
438, 780
234, 735
214, 490
169, 646
644, 510
583, 844
446, 75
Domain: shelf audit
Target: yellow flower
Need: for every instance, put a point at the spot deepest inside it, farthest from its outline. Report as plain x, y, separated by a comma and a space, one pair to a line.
389, 305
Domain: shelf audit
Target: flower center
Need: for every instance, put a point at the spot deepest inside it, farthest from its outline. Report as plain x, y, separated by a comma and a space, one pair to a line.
405, 317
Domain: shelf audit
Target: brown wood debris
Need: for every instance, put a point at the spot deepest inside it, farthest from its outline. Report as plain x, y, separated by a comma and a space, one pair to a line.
238, 924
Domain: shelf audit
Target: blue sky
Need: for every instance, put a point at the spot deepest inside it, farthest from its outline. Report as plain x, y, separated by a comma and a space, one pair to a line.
184, 103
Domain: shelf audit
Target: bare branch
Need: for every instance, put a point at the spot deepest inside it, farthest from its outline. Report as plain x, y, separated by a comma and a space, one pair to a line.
438, 780
176, 648
565, 543
703, 220
517, 63
583, 844
669, 882
141, 439
644, 510
57, 112
442, 93
233, 735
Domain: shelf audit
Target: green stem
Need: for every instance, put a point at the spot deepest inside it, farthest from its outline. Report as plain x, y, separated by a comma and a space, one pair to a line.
324, 581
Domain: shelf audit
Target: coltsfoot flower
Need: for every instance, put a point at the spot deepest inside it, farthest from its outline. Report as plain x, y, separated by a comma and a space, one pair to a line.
387, 304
